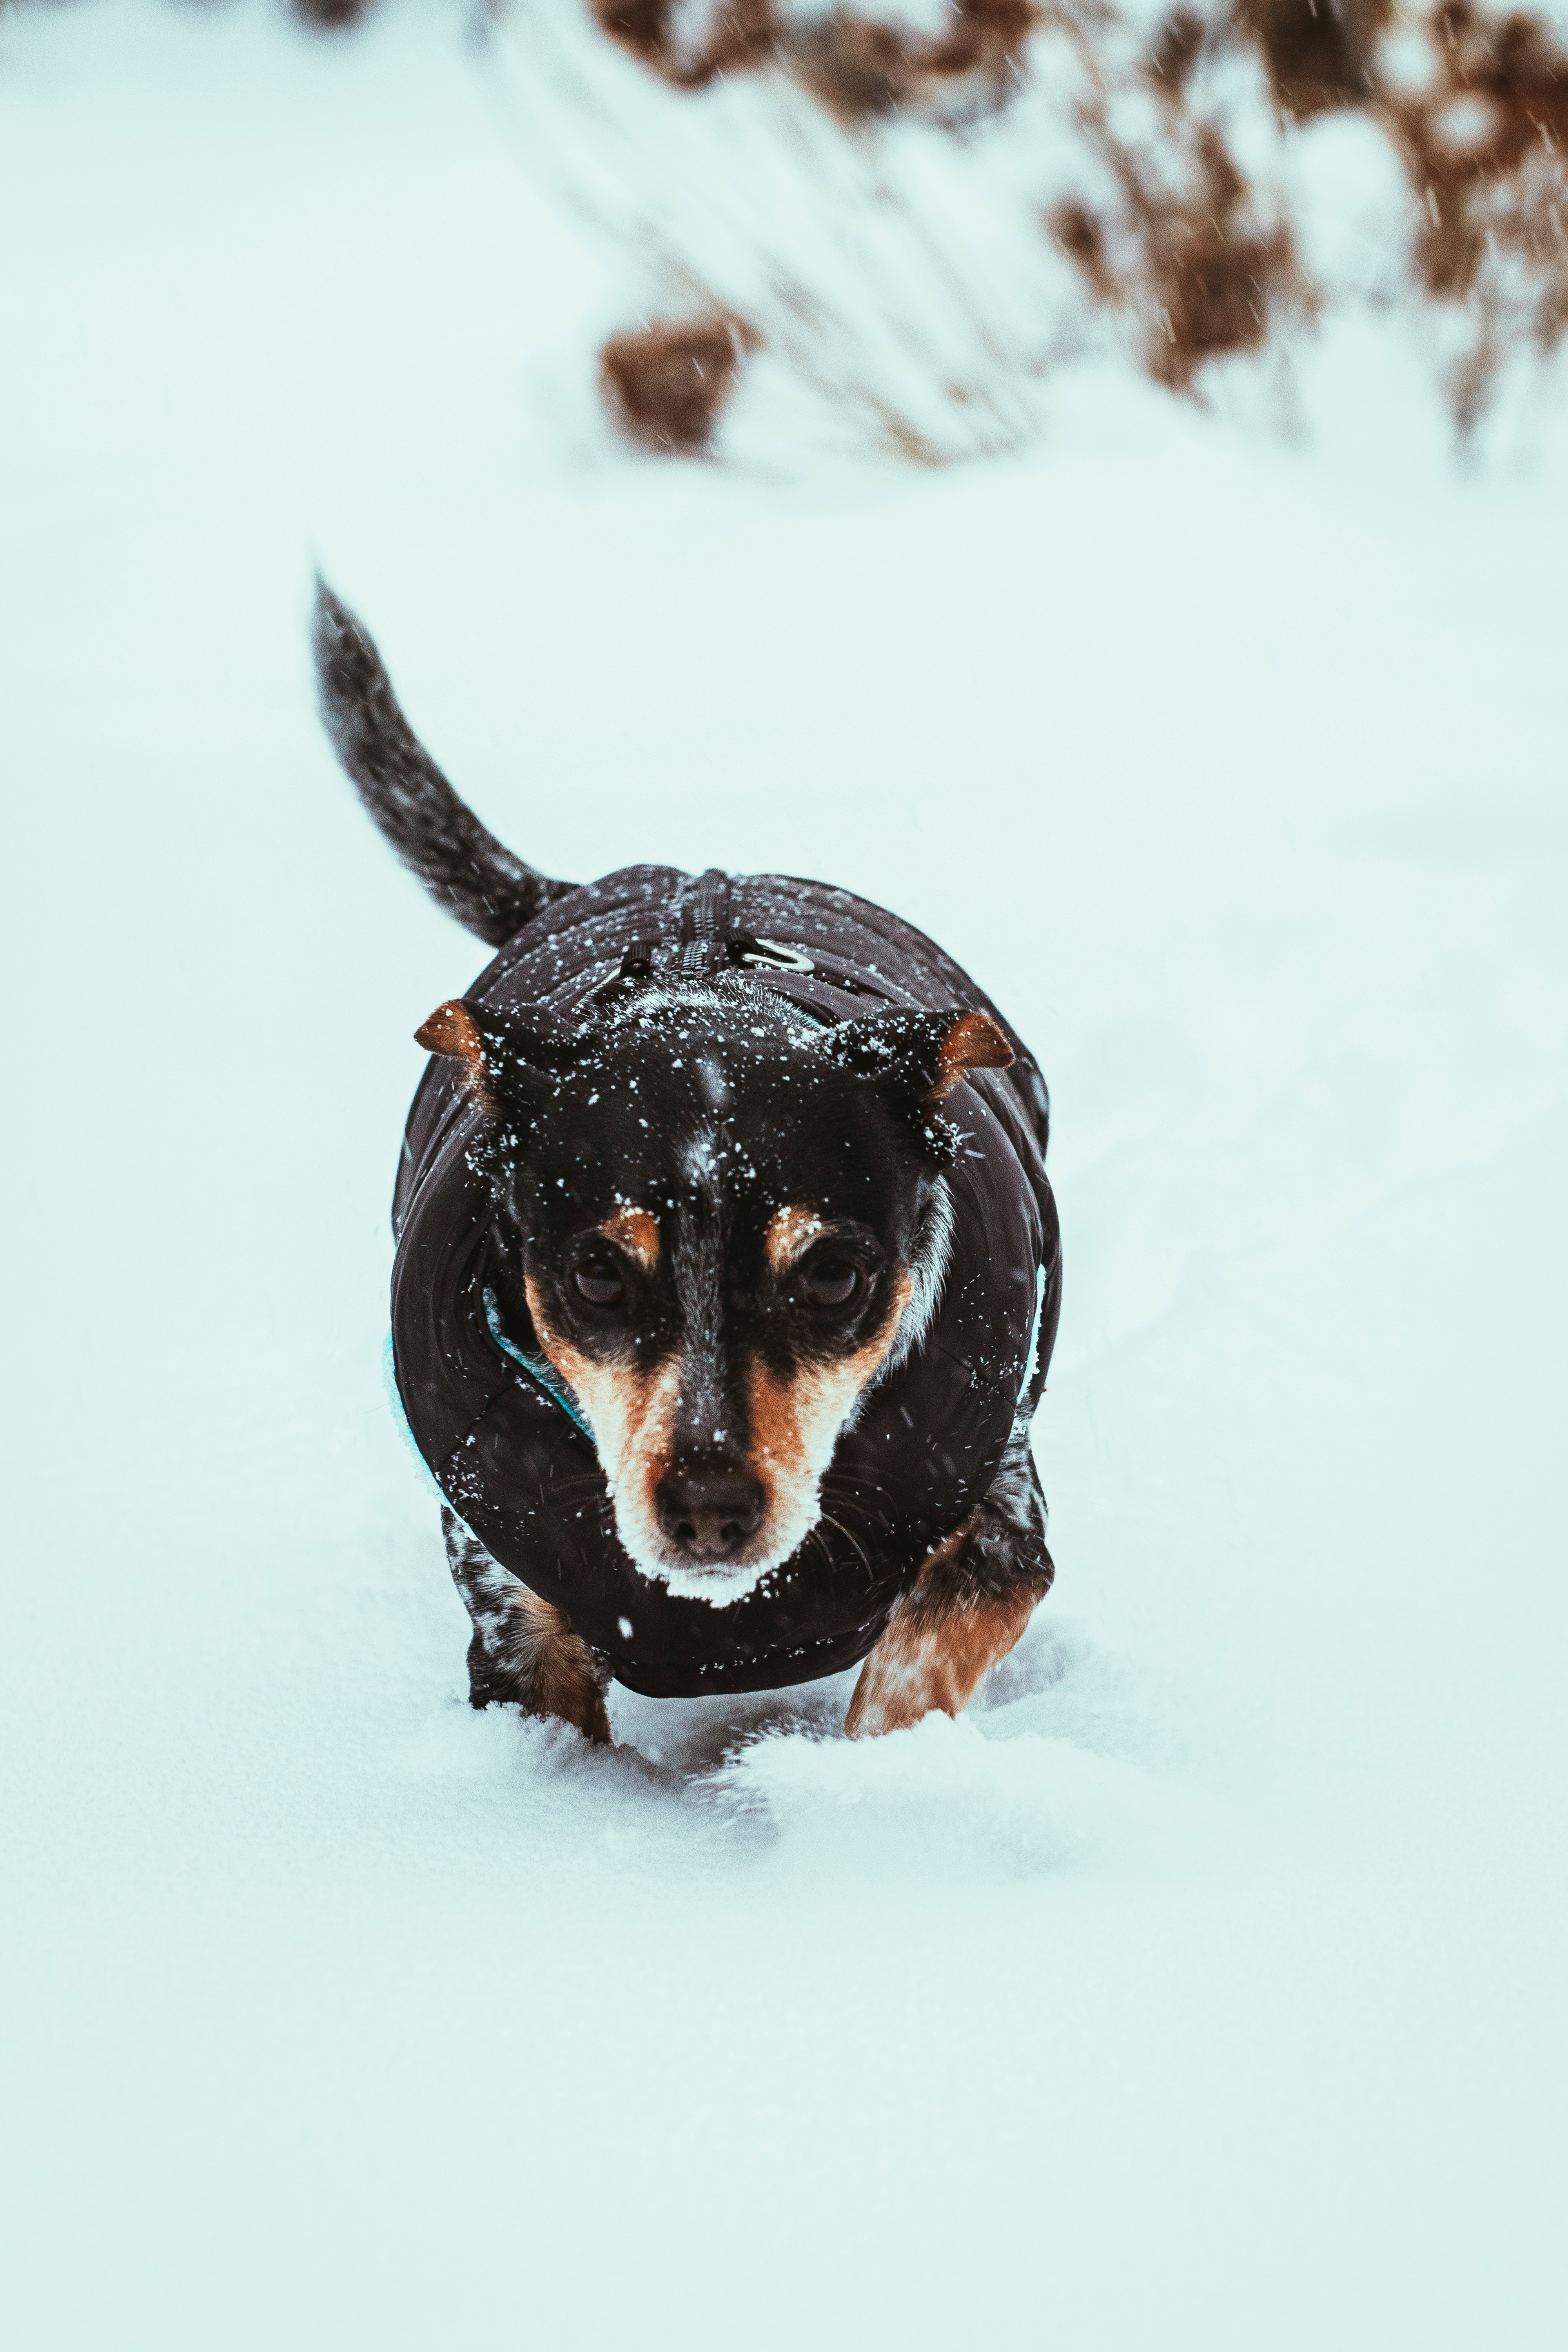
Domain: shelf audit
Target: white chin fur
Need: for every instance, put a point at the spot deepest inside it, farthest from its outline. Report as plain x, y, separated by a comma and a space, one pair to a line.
724, 1581
720, 1586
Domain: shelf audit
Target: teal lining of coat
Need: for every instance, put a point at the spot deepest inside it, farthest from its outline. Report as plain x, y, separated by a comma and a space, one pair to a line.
538, 1367
1033, 1357
400, 1416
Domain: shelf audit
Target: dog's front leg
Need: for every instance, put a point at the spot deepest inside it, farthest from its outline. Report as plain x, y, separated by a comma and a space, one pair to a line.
966, 1609
523, 1650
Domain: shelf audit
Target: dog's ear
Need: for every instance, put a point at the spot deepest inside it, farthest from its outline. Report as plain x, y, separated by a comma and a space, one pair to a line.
921, 1056
503, 1050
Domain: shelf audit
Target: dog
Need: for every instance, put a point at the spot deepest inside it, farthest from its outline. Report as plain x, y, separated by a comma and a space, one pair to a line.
726, 1273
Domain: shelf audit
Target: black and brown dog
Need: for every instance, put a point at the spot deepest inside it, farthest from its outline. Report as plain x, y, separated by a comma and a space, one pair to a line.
727, 1273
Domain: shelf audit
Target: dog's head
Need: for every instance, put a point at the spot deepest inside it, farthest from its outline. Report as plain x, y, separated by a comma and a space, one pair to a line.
722, 1222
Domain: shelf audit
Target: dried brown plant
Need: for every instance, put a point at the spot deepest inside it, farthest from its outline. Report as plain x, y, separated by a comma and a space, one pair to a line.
1080, 231
858, 66
1165, 228
738, 35
1189, 248
1319, 53
666, 383
861, 68
1484, 147
1484, 144
1177, 46
1220, 286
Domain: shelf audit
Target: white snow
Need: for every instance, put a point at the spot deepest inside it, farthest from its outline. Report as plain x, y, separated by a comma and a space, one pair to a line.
1203, 1988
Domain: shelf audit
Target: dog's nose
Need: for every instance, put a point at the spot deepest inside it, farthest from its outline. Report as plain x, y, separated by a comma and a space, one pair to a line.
709, 1514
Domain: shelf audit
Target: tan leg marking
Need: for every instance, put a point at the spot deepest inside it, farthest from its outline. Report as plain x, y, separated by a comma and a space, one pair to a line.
523, 1652
563, 1677
934, 1651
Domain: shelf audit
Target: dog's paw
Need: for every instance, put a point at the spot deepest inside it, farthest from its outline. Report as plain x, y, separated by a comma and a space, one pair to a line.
899, 1683
932, 1656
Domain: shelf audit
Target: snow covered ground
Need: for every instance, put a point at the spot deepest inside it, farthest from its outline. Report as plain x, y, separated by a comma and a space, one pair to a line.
1204, 1987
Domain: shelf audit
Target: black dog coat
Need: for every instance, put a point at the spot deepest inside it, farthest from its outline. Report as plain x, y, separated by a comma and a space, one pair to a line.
502, 1440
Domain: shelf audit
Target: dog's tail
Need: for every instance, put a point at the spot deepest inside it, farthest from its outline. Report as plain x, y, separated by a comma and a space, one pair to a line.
464, 868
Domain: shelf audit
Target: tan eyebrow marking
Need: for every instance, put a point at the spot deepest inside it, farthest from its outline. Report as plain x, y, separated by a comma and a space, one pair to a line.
561, 1668
790, 1233
637, 1232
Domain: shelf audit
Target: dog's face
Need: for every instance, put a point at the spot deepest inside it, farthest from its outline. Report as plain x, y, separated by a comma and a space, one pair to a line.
725, 1221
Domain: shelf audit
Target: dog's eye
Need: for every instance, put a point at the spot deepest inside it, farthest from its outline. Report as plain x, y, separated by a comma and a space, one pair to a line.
831, 1282
598, 1280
